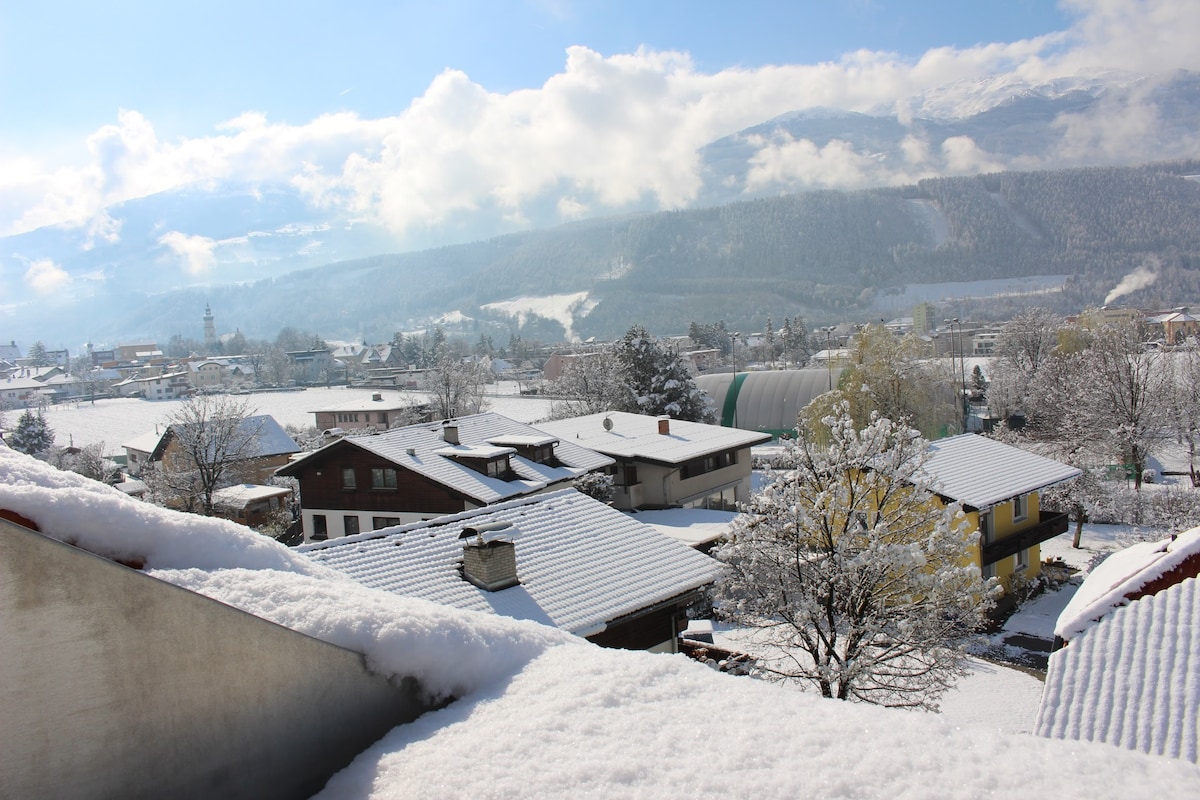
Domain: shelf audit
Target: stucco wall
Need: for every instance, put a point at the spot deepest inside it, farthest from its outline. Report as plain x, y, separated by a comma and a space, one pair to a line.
114, 684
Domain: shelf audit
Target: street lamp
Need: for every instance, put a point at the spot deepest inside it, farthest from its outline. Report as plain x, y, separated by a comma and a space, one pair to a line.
829, 354
962, 360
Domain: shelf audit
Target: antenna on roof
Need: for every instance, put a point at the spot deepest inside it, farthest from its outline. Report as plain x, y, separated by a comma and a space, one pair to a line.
608, 424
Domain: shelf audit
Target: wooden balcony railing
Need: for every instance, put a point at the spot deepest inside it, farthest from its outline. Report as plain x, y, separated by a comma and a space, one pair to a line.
1049, 525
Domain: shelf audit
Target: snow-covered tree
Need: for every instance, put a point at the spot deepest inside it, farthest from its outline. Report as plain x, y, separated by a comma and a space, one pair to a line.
1185, 419
852, 571
590, 384
595, 485
32, 435
38, 355
1132, 390
456, 387
657, 380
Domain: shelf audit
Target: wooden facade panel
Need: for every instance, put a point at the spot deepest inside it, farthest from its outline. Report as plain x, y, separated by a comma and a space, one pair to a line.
321, 486
641, 633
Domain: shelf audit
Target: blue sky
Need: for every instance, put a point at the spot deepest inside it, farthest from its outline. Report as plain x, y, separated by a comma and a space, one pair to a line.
415, 116
67, 67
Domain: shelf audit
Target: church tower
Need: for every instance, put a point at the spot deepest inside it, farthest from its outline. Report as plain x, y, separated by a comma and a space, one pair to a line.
210, 330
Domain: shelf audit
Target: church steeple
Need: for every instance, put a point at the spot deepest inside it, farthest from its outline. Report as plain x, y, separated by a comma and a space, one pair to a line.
210, 329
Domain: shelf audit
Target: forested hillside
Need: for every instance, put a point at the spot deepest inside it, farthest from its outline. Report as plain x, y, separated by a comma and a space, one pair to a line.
823, 254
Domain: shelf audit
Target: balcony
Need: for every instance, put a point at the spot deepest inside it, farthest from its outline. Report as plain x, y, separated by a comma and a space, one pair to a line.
1049, 525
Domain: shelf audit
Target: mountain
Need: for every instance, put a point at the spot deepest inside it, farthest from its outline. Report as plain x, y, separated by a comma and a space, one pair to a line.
765, 234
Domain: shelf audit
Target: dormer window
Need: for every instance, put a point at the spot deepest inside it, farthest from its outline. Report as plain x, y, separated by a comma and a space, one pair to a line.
497, 467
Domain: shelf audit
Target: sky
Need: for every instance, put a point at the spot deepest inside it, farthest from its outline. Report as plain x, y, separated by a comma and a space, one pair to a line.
407, 113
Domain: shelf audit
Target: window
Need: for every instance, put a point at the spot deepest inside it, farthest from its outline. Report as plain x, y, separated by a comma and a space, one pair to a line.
1021, 559
384, 522
350, 524
497, 468
383, 478
1020, 508
348, 481
383, 417
985, 527
320, 529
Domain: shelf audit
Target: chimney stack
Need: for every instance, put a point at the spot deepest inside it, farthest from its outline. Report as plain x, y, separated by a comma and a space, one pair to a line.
664, 426
377, 397
491, 565
450, 433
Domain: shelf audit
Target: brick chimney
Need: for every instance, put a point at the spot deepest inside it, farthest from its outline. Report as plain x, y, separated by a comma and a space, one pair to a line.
664, 426
489, 564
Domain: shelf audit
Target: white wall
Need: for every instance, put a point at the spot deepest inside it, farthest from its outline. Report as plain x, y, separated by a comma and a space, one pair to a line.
115, 684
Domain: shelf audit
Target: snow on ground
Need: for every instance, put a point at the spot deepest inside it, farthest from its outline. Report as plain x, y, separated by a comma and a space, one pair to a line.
540, 713
562, 308
116, 421
993, 697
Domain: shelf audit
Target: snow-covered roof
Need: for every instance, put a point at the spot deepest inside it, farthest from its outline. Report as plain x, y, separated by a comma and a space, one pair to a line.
1132, 680
369, 404
581, 563
981, 472
636, 436
146, 443
1126, 574
243, 493
270, 439
425, 441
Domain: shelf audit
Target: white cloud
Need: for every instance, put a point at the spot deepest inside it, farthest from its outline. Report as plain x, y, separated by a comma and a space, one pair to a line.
196, 252
46, 277
605, 132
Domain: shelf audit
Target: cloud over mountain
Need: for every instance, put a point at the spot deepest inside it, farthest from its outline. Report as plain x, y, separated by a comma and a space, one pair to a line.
612, 132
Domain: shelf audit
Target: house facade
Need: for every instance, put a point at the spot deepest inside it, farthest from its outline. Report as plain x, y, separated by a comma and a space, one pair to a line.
270, 447
168, 386
422, 471
376, 412
999, 488
558, 558
666, 463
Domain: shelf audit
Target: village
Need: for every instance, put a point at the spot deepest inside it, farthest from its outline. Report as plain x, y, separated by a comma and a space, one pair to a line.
604, 489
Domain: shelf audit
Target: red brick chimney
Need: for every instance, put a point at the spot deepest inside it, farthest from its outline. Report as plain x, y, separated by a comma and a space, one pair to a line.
664, 426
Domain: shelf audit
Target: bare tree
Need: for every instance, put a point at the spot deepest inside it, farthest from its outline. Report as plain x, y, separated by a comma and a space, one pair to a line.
209, 443
1133, 387
457, 387
1185, 416
852, 571
590, 384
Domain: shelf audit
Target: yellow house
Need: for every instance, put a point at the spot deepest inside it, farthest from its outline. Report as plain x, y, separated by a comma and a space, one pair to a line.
999, 487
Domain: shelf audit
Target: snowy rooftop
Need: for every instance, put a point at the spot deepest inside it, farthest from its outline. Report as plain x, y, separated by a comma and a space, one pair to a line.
429, 451
270, 439
1132, 680
243, 493
553, 716
581, 563
637, 436
1122, 574
981, 472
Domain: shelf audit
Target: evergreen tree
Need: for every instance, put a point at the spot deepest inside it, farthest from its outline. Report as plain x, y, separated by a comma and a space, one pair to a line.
32, 435
38, 356
657, 381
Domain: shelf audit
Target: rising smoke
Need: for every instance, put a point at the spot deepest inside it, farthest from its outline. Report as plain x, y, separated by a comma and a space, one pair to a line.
1140, 278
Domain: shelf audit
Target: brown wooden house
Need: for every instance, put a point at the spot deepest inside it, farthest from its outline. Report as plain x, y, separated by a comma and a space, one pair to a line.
423, 471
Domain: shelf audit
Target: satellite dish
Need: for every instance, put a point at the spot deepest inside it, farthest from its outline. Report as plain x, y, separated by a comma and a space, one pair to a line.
607, 424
